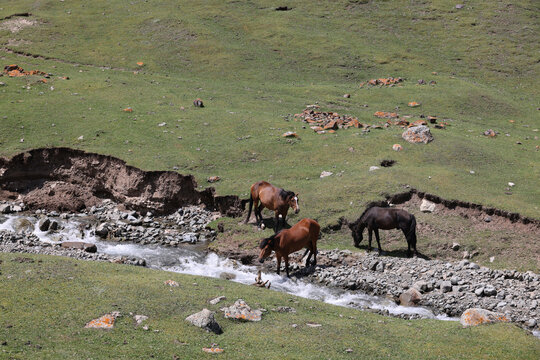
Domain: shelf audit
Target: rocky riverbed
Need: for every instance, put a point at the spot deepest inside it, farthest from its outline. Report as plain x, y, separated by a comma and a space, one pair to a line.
444, 287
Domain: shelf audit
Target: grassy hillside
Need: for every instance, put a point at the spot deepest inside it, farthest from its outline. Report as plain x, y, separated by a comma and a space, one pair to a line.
253, 65
46, 301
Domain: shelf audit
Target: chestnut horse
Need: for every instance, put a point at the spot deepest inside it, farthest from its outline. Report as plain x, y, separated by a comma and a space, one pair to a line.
272, 198
375, 218
303, 234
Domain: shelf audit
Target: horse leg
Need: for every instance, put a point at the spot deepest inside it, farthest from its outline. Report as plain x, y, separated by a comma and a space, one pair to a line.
278, 258
408, 242
314, 251
258, 213
378, 240
309, 256
287, 265
370, 230
277, 221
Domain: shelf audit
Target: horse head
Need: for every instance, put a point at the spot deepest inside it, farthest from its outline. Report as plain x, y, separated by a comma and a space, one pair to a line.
266, 246
357, 230
292, 200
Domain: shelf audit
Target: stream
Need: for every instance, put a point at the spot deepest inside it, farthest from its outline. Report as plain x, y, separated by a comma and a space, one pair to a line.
193, 259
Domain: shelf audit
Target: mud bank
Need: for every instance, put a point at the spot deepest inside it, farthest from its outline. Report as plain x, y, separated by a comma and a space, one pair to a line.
64, 179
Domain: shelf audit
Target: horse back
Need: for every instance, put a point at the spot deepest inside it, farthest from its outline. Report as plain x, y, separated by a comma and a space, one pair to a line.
304, 232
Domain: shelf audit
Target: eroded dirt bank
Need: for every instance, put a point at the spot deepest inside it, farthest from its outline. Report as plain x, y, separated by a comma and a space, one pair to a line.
64, 179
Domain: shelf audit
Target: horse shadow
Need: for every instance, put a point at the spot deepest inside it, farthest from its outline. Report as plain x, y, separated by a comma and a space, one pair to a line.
270, 223
400, 253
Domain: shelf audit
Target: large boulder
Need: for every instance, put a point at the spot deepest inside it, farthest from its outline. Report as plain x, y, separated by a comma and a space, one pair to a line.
427, 206
79, 245
205, 320
418, 134
476, 316
411, 297
241, 311
44, 224
102, 230
23, 225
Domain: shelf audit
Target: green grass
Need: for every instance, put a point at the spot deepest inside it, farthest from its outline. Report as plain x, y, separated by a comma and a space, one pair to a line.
45, 305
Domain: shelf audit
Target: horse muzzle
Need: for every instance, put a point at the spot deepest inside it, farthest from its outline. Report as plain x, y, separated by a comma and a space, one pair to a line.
297, 211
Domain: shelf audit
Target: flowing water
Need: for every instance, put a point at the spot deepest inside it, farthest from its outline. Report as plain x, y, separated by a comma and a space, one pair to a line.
193, 260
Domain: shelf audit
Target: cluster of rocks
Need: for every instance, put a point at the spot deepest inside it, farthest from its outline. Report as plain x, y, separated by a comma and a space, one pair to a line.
11, 242
322, 122
390, 81
446, 287
186, 225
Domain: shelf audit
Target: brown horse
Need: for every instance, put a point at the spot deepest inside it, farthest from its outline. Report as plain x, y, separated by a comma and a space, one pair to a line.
303, 234
272, 198
375, 218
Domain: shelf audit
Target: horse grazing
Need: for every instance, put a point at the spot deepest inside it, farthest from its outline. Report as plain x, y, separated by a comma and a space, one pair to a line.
272, 198
304, 234
375, 218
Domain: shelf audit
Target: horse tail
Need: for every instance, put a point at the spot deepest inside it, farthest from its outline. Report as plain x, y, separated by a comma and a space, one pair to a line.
250, 208
411, 233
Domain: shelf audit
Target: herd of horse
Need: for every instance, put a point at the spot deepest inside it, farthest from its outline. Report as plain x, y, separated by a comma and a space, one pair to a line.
305, 233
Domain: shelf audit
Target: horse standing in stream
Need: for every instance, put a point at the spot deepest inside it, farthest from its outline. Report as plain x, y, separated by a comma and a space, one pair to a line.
303, 234
375, 218
272, 198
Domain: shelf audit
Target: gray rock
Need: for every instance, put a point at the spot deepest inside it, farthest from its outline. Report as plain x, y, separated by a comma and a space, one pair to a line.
479, 291
411, 297
427, 206
490, 291
44, 224
102, 230
418, 134
455, 246
241, 311
421, 285
446, 286
88, 247
380, 267
5, 208
205, 320
217, 300
284, 309
531, 323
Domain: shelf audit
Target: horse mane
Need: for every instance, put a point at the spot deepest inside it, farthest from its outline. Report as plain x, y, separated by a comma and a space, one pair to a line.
284, 193
267, 241
370, 205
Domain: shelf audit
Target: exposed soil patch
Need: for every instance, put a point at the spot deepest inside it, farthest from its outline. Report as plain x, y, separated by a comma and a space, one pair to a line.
16, 22
67, 179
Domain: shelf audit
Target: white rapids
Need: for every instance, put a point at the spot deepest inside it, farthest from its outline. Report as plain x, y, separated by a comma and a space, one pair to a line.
188, 259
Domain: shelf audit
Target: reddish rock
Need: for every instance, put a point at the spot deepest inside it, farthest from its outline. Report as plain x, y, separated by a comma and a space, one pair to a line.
88, 247
411, 297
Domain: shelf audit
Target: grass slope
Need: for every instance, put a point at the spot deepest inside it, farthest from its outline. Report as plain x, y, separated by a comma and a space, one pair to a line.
45, 304
252, 66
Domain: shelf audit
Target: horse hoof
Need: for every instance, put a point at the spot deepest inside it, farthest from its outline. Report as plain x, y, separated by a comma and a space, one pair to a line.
262, 226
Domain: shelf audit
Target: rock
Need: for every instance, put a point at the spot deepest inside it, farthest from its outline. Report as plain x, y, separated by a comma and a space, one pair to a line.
531, 323
487, 219
421, 285
446, 286
455, 246
198, 103
490, 291
5, 208
479, 291
227, 276
102, 230
44, 224
213, 179
411, 297
171, 283
380, 267
490, 133
213, 350
511, 184
418, 134
460, 6
427, 206
139, 319
23, 225
347, 96
476, 316
217, 300
325, 174
54, 225
284, 309
88, 247
241, 311
205, 320
189, 238
397, 147
492, 259
104, 322
374, 168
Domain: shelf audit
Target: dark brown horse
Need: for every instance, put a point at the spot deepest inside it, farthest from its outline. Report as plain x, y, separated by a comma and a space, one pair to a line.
375, 218
272, 198
304, 234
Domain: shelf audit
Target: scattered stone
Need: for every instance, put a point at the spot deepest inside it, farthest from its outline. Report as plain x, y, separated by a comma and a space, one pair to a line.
418, 134
44, 224
5, 208
162, 124
390, 81
217, 300
88, 247
347, 96
80, 138
397, 147
455, 246
139, 319
290, 134
460, 6
490, 133
476, 316
227, 276
413, 104
213, 350
213, 179
104, 322
446, 286
241, 311
325, 174
491, 259
205, 320
313, 325
349, 350
490, 291
427, 206
321, 121
411, 297
374, 168
511, 184
487, 219
284, 309
531, 323
102, 230
171, 283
